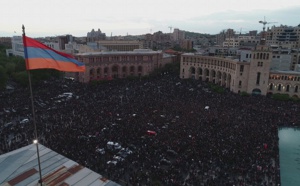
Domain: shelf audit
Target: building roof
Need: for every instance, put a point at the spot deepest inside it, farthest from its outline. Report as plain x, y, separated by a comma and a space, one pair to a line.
136, 51
20, 167
290, 72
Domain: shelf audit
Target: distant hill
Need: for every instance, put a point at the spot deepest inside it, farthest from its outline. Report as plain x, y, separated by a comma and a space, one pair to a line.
197, 35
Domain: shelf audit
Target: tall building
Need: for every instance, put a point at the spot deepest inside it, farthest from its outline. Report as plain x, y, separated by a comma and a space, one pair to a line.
253, 33
161, 41
95, 36
284, 36
178, 35
228, 34
17, 46
220, 38
63, 40
187, 44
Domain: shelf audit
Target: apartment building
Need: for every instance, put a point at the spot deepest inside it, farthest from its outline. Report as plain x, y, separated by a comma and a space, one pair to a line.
111, 45
284, 36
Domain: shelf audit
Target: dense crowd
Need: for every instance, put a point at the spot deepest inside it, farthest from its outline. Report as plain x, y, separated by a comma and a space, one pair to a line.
199, 137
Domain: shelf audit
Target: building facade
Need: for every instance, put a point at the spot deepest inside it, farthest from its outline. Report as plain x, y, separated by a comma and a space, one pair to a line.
94, 36
110, 45
17, 47
284, 36
113, 65
249, 73
178, 35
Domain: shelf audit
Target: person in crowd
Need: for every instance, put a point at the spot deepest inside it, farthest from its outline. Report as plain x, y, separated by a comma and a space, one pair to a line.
169, 131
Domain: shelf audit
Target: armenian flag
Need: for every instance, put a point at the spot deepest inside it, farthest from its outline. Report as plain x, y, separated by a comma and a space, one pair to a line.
40, 56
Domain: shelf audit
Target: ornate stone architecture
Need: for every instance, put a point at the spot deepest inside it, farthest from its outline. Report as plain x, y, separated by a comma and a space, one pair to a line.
112, 65
250, 72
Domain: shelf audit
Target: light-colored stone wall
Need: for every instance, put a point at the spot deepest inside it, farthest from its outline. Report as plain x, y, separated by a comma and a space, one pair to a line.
241, 76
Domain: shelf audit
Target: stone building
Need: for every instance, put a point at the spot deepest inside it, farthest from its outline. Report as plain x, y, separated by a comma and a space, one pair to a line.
113, 65
250, 72
95, 36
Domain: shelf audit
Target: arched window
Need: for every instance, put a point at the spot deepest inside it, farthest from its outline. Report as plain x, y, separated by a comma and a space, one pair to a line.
296, 88
92, 72
114, 69
192, 70
124, 69
279, 87
287, 88
271, 86
200, 71
98, 71
132, 69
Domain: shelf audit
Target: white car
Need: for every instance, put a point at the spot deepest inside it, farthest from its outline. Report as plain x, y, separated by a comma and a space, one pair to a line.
112, 162
24, 121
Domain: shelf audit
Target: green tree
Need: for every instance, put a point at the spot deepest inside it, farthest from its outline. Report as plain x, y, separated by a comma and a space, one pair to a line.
10, 68
3, 78
281, 97
21, 77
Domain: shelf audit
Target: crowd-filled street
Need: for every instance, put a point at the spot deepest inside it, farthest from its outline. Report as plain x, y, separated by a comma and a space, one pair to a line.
156, 131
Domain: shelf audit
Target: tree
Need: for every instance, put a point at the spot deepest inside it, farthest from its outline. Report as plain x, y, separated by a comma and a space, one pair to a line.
10, 68
3, 78
21, 77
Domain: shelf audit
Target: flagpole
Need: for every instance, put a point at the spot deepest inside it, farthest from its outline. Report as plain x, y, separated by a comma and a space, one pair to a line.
32, 106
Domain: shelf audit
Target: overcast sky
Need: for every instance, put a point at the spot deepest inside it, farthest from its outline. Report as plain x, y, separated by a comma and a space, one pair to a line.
134, 17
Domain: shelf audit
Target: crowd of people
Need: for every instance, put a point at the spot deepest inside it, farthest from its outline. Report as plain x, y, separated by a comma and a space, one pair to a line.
198, 137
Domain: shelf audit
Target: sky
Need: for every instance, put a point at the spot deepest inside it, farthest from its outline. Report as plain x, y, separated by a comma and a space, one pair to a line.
135, 17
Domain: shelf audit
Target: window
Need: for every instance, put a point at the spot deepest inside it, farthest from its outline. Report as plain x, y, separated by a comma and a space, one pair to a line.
287, 88
240, 83
242, 68
271, 86
296, 88
258, 78
279, 87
